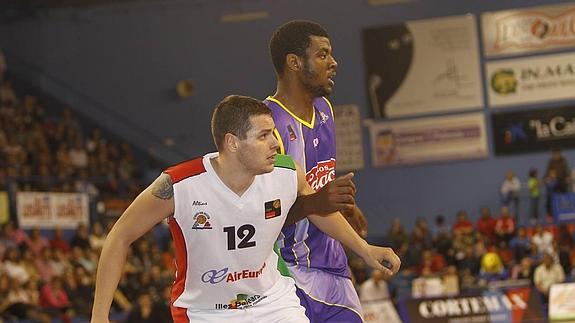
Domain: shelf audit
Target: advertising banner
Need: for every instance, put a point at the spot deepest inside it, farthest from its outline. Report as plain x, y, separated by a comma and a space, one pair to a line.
528, 30
424, 140
562, 302
533, 130
510, 305
423, 67
531, 80
50, 210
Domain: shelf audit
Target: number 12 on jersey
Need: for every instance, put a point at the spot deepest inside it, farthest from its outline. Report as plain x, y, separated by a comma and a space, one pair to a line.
244, 232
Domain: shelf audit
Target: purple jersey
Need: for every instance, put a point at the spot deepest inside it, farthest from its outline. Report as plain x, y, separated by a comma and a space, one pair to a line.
312, 146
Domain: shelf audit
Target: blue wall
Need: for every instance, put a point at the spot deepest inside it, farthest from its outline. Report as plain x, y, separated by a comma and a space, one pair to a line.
119, 65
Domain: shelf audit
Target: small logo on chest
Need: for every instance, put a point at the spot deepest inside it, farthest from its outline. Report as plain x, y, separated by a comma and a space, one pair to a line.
201, 221
199, 203
273, 209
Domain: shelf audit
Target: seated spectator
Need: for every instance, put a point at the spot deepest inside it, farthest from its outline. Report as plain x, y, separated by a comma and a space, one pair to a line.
451, 282
97, 237
504, 227
37, 243
147, 311
491, 267
486, 225
523, 270
81, 238
462, 224
520, 244
14, 266
543, 240
397, 236
58, 241
547, 274
441, 235
375, 288
54, 299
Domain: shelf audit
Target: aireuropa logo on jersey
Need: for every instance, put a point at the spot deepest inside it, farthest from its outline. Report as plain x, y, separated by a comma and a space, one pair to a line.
215, 276
241, 301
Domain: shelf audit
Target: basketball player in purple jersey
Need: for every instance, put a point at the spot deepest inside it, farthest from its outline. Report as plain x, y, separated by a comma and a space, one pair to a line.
302, 57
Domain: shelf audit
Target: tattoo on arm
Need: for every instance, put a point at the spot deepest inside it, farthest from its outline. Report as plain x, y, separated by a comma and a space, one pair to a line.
163, 188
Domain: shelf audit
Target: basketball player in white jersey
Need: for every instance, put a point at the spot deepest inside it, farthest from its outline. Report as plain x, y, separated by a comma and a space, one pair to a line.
225, 212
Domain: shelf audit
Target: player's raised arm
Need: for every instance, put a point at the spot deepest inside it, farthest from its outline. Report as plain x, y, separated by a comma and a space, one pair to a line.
153, 205
337, 195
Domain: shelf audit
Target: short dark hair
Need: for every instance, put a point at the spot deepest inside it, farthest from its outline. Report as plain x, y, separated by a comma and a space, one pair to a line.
232, 115
293, 38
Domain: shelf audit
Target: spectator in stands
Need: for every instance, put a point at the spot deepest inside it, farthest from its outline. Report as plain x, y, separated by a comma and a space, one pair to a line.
486, 225
397, 235
54, 299
543, 240
375, 288
510, 192
97, 237
547, 274
520, 244
59, 262
79, 258
504, 227
433, 261
421, 235
551, 187
468, 259
451, 282
81, 238
14, 266
534, 193
565, 246
77, 154
559, 164
42, 265
148, 311
462, 224
21, 303
37, 243
491, 267
441, 235
58, 241
523, 270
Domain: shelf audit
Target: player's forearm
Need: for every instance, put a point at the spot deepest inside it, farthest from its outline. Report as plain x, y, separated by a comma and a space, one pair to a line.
112, 260
338, 228
302, 207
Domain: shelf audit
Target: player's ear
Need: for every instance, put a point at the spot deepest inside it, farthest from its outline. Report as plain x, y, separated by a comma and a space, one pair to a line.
293, 62
231, 142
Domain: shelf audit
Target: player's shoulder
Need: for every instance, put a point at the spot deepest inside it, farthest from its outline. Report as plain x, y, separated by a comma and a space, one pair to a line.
284, 161
186, 169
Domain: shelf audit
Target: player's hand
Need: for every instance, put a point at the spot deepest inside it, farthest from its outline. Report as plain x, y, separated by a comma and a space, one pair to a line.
382, 258
357, 220
337, 195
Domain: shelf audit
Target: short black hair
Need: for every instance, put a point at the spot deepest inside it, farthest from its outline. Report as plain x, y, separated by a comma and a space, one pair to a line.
293, 37
232, 115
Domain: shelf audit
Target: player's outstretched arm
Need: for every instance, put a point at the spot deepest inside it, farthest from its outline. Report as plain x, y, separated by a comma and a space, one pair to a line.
338, 228
153, 205
337, 195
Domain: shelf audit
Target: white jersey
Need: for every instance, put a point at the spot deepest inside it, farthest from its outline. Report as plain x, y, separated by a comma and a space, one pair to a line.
224, 242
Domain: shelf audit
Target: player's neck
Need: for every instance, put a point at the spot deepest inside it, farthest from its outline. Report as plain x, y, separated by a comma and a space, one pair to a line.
232, 174
295, 97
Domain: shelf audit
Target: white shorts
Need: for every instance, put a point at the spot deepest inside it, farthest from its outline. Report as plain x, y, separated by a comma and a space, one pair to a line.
281, 305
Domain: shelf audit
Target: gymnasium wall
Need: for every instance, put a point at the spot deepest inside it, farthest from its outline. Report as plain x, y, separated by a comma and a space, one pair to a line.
119, 64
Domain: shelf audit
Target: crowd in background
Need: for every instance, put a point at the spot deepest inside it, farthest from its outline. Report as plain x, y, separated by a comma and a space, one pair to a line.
46, 274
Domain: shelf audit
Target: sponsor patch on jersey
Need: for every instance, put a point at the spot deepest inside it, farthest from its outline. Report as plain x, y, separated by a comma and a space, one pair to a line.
241, 301
273, 209
321, 174
201, 221
215, 276
292, 135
